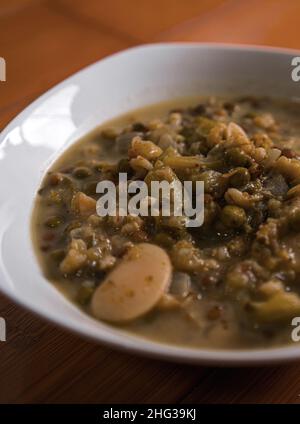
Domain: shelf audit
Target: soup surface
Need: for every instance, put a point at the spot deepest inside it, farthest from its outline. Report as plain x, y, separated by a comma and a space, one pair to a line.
232, 282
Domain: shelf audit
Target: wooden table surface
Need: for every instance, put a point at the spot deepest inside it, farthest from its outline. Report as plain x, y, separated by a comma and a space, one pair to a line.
44, 42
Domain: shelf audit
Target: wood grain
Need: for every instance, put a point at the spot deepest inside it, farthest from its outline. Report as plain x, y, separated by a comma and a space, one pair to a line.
139, 19
267, 22
43, 363
9, 7
249, 385
47, 47
44, 41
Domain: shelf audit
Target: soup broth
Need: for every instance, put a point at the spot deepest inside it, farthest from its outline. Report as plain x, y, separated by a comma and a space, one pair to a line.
231, 283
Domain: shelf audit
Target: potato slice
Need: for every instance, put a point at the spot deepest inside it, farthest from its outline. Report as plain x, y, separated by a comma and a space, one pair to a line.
135, 286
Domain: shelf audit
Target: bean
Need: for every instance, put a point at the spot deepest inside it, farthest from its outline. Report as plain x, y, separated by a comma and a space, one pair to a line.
233, 216
237, 157
239, 177
53, 222
82, 172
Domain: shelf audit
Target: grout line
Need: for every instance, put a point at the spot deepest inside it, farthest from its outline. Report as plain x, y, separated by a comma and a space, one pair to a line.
57, 6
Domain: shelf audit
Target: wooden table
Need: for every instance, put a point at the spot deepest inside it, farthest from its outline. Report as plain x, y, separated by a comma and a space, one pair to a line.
44, 42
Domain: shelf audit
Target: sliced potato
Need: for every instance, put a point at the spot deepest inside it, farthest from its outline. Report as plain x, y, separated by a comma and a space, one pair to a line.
135, 286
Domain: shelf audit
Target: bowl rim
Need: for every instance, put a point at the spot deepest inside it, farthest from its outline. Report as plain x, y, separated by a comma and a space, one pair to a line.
138, 344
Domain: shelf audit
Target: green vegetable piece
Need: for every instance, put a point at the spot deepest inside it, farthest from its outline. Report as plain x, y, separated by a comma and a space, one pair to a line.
233, 216
240, 177
53, 222
84, 294
235, 156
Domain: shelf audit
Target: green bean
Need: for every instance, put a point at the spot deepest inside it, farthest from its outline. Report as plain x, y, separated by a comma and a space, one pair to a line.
213, 182
53, 222
233, 216
235, 156
239, 177
81, 172
205, 124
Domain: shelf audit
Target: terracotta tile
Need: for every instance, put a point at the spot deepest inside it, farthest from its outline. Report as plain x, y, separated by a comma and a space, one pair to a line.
271, 22
142, 19
41, 47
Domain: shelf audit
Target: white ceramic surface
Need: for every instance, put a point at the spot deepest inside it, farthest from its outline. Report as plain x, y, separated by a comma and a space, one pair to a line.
112, 86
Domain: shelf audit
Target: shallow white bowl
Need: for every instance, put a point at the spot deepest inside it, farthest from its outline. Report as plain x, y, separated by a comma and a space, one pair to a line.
124, 81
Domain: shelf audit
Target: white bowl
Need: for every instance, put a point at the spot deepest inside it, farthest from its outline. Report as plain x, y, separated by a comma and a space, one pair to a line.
124, 81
